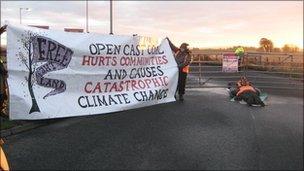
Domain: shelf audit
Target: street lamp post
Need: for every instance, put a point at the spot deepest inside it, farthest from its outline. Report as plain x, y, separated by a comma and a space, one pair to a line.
87, 16
111, 17
20, 10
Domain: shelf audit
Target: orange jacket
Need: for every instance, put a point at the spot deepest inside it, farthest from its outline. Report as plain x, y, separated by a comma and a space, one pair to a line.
3, 161
245, 88
186, 69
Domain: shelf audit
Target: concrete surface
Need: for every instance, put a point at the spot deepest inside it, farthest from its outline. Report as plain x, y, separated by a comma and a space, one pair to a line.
206, 131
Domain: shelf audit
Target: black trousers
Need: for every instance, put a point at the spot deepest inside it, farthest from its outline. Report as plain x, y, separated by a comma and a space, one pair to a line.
182, 76
1, 102
250, 98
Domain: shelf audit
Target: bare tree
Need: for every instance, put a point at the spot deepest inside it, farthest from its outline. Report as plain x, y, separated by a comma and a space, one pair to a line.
26, 57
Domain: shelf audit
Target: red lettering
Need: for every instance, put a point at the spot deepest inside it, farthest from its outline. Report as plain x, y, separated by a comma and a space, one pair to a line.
148, 82
165, 59
97, 88
101, 61
86, 60
156, 83
166, 80
86, 87
133, 83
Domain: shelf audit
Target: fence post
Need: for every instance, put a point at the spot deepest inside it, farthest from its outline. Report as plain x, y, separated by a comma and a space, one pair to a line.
290, 65
200, 69
245, 63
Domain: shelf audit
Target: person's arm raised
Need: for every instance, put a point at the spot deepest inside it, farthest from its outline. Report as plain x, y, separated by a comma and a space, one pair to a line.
172, 46
3, 29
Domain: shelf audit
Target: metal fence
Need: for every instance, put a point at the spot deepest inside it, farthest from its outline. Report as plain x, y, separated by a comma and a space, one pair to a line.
265, 70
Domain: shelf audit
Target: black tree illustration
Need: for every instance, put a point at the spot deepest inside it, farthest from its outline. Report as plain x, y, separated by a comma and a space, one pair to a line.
27, 60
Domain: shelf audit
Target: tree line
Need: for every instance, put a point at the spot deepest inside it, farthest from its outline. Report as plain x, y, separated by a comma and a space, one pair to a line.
266, 45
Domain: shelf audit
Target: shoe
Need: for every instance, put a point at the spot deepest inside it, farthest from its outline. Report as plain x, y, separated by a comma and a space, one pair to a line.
181, 97
242, 102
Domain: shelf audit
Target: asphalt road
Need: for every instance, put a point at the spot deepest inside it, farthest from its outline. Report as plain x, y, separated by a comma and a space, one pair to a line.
204, 132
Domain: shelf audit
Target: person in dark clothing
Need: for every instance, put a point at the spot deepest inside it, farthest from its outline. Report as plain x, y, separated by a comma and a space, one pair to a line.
3, 76
183, 58
251, 98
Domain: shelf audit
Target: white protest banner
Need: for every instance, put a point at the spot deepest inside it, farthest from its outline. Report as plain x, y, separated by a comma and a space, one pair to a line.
230, 63
54, 74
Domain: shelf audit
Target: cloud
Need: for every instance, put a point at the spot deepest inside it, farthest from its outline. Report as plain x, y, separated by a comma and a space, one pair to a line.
201, 23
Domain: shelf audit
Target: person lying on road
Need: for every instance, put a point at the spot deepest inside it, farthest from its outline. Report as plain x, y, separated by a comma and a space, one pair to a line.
247, 92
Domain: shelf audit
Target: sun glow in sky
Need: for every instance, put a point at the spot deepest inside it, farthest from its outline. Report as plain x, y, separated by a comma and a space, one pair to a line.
202, 24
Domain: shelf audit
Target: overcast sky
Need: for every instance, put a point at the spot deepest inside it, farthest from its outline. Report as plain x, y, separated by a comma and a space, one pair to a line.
200, 23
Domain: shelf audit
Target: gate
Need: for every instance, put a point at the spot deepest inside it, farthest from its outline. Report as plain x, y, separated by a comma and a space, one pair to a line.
264, 70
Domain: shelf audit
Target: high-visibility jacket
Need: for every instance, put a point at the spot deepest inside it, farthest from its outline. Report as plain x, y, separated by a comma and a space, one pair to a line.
183, 60
245, 88
239, 51
3, 161
239, 83
186, 69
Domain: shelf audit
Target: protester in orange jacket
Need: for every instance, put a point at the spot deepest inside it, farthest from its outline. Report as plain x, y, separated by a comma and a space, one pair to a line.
247, 92
183, 58
3, 161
